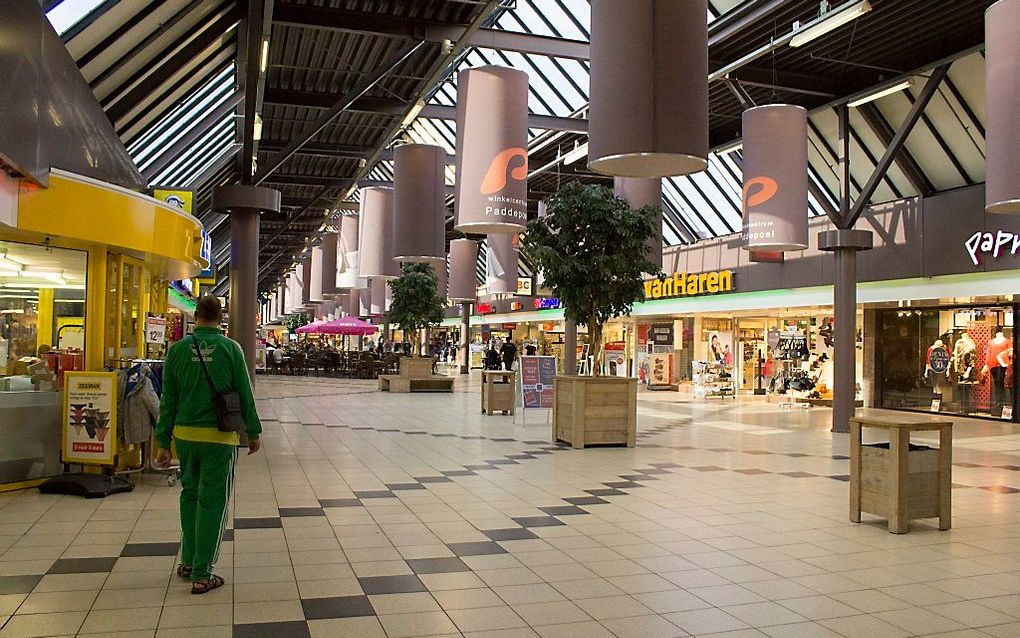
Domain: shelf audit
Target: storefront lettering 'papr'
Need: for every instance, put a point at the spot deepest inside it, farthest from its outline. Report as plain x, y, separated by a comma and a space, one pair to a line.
992, 244
687, 285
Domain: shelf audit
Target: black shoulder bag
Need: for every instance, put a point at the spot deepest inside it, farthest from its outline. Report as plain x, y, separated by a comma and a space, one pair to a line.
227, 403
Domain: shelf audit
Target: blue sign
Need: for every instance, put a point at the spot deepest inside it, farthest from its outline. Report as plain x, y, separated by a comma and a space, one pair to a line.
545, 303
206, 253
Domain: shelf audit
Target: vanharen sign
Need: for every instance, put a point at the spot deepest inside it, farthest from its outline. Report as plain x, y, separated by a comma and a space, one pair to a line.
688, 285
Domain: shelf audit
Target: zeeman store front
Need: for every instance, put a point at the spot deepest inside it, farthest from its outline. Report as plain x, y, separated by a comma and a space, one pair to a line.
82, 264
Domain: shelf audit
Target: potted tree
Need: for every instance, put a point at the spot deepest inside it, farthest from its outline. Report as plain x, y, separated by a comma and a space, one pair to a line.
416, 306
591, 249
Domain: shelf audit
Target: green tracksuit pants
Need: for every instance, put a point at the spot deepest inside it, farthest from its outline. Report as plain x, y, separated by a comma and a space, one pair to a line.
207, 476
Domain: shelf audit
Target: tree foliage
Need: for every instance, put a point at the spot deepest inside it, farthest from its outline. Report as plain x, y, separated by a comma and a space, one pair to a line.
590, 247
416, 303
295, 321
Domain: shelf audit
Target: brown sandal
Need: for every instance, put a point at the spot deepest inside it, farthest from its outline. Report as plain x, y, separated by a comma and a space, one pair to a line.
184, 571
206, 586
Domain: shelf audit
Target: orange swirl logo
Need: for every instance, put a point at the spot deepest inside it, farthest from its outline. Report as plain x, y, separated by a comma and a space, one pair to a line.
768, 189
495, 178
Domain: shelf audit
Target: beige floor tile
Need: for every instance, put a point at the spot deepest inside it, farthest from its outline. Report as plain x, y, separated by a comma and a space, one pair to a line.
705, 621
799, 630
467, 598
486, 619
39, 625
101, 621
55, 602
613, 607
513, 576
451, 581
550, 613
973, 614
863, 627
818, 607
130, 598
643, 627
403, 603
328, 588
587, 588
665, 602
263, 592
413, 625
219, 631
525, 594
589, 629
9, 604
207, 615
363, 627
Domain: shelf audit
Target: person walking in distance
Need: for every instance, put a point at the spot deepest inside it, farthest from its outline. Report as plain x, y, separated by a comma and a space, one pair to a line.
199, 369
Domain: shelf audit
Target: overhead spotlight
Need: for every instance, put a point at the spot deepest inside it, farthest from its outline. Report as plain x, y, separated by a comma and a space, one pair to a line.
871, 97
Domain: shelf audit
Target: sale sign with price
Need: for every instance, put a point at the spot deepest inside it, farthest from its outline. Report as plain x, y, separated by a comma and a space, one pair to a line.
155, 330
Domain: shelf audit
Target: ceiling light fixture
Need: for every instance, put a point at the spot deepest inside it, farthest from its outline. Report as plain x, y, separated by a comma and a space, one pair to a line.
413, 113
264, 60
257, 134
829, 22
871, 97
729, 147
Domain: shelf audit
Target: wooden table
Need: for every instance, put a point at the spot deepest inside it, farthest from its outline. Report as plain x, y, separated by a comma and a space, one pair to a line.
498, 391
900, 483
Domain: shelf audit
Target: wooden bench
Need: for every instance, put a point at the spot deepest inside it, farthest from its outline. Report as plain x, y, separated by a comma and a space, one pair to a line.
397, 383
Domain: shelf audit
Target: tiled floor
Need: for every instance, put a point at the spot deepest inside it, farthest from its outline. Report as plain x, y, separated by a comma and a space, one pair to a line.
372, 514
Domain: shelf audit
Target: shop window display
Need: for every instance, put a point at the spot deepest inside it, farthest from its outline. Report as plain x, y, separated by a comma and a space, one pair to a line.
955, 360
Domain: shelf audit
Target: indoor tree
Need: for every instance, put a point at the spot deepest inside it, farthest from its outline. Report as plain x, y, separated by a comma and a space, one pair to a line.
591, 249
294, 321
416, 303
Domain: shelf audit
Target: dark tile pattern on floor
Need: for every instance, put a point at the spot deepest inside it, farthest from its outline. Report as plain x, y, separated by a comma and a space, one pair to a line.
340, 502
269, 522
294, 512
150, 549
511, 534
476, 548
18, 584
337, 607
444, 565
82, 565
291, 629
391, 584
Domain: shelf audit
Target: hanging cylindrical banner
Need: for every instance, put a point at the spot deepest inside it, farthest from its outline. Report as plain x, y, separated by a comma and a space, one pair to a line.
365, 302
492, 150
351, 301
542, 208
315, 276
775, 193
293, 299
329, 264
649, 88
377, 299
501, 264
375, 234
463, 283
348, 262
305, 268
419, 203
1002, 116
638, 193
442, 278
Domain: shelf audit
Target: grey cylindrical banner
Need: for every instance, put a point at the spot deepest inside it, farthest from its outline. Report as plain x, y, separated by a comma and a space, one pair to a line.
377, 298
492, 150
649, 87
375, 235
419, 203
329, 254
501, 264
365, 302
638, 193
775, 192
463, 284
1002, 115
315, 278
442, 277
305, 268
348, 271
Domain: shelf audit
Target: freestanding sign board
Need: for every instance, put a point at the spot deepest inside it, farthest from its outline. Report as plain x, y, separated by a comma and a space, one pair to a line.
90, 417
537, 374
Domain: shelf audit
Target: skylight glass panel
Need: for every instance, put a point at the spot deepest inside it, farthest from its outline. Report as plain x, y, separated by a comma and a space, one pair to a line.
69, 13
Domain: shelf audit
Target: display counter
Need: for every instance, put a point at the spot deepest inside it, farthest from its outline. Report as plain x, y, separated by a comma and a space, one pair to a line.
30, 431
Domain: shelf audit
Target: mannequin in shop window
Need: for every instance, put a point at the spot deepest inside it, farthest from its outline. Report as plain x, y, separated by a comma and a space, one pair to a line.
936, 366
965, 369
997, 360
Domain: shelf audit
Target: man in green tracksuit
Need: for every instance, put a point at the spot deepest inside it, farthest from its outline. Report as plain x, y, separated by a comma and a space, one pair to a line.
188, 416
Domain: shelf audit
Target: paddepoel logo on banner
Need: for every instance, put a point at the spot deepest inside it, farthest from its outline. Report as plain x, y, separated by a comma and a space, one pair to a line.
537, 375
90, 418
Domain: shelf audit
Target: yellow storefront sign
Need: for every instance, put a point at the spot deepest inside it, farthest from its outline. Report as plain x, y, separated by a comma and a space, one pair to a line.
688, 285
176, 198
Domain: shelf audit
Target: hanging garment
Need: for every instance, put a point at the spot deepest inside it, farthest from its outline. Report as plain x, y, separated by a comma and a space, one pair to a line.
137, 404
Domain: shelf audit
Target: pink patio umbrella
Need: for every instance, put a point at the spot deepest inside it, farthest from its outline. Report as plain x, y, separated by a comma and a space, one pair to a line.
348, 326
311, 328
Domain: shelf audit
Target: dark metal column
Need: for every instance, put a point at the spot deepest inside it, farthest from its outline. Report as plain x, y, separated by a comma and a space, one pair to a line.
845, 243
569, 347
244, 204
465, 338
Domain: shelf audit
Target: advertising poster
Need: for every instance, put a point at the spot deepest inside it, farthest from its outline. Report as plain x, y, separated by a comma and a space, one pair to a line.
537, 375
659, 373
720, 347
616, 358
90, 417
477, 355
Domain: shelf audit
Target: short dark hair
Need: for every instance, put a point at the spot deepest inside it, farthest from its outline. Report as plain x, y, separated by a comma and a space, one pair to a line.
209, 309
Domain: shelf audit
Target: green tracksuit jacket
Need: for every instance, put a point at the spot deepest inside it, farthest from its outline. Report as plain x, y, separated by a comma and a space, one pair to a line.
186, 410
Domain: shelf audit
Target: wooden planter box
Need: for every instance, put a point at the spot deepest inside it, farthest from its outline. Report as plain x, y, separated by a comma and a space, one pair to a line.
498, 388
921, 485
594, 410
416, 367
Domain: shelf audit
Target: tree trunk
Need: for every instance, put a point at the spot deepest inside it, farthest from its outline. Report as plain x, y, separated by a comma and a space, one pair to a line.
595, 337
